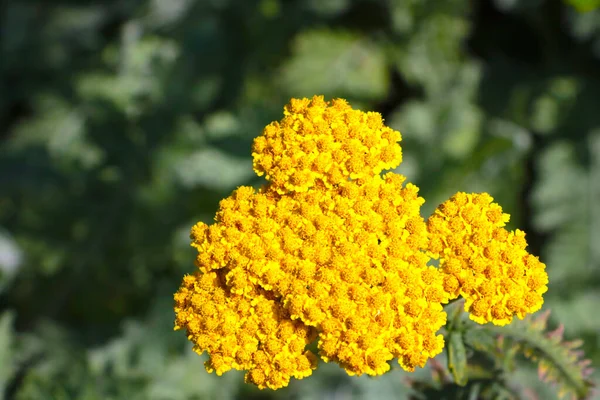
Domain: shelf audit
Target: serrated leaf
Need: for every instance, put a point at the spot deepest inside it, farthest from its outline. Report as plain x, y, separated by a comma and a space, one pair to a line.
560, 363
457, 358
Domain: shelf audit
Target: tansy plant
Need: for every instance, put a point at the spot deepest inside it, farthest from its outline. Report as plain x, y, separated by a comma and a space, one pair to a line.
332, 252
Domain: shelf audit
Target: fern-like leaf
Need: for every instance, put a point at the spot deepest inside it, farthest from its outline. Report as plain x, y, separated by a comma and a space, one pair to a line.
560, 363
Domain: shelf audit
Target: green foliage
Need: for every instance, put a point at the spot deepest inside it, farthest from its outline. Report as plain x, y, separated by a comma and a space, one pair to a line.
484, 361
124, 122
560, 362
457, 358
6, 354
584, 5
335, 64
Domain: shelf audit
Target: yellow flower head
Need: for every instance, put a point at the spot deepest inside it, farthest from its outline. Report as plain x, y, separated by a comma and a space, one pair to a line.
491, 268
331, 251
324, 142
349, 263
253, 334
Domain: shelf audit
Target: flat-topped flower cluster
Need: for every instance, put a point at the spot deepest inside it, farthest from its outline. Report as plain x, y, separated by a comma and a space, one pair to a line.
331, 251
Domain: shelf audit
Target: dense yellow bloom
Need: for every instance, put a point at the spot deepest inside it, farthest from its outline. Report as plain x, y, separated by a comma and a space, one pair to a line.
253, 334
346, 261
331, 251
349, 263
321, 142
495, 274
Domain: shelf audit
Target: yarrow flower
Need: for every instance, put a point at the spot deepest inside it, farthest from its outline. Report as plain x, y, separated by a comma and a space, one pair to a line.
485, 263
331, 251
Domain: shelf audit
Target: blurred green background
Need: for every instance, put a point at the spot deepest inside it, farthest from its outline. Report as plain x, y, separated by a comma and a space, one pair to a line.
124, 122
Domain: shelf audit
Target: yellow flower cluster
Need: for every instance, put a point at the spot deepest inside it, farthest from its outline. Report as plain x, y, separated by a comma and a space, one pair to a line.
316, 141
331, 251
346, 261
485, 263
245, 333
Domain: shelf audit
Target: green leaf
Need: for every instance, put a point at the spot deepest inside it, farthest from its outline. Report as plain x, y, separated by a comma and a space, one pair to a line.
457, 358
479, 339
571, 255
433, 57
560, 362
336, 63
60, 128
